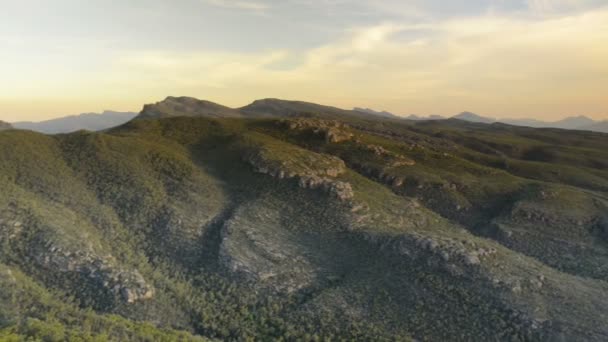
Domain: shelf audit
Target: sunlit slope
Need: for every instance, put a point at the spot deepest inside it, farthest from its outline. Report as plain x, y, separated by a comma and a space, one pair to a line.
304, 228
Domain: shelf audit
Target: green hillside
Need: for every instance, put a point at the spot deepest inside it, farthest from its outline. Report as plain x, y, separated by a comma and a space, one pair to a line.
292, 221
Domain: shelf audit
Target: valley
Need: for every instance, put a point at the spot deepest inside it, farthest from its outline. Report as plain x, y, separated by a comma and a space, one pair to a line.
287, 220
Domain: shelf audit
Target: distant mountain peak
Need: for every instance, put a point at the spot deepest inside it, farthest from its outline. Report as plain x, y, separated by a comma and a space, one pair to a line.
272, 107
580, 122
73, 123
583, 117
374, 112
470, 116
186, 106
578, 118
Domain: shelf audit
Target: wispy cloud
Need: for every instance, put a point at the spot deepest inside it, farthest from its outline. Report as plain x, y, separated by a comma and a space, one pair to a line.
239, 5
549, 7
499, 63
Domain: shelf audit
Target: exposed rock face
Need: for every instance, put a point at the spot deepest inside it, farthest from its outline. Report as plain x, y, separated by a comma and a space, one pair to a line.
315, 165
129, 285
11, 225
311, 170
448, 249
138, 290
257, 248
341, 190
186, 106
393, 159
331, 130
381, 164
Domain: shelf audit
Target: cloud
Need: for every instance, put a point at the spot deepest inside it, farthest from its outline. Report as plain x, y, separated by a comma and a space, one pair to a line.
499, 64
239, 5
550, 7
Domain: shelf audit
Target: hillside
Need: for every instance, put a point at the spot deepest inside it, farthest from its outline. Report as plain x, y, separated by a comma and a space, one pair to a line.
5, 126
73, 123
295, 221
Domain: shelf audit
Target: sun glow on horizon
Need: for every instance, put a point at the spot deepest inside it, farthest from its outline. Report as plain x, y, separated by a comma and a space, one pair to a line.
545, 60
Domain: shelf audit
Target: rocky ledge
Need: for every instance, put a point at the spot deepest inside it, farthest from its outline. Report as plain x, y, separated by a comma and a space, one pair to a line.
312, 170
341, 190
332, 131
128, 285
393, 159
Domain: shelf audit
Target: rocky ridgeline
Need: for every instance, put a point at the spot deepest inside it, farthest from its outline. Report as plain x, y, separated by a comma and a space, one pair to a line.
332, 131
454, 253
532, 213
11, 226
385, 161
414, 141
327, 166
256, 247
336, 132
129, 285
341, 190
393, 159
311, 170
449, 250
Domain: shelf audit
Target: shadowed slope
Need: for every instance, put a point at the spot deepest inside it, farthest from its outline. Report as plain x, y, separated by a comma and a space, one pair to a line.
327, 225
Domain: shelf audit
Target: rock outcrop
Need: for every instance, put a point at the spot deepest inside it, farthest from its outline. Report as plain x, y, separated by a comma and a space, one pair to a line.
256, 247
449, 250
393, 159
312, 170
128, 285
341, 190
332, 131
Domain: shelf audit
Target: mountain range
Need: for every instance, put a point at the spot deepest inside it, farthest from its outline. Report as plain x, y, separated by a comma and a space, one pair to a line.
86, 121
109, 119
574, 122
288, 220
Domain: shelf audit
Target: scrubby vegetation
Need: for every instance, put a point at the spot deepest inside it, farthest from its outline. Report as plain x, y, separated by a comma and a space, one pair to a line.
205, 227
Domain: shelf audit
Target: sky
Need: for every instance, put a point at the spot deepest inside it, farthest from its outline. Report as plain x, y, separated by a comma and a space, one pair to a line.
543, 59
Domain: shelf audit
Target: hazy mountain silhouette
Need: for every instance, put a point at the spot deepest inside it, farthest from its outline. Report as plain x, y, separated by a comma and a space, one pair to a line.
373, 112
297, 221
472, 117
72, 123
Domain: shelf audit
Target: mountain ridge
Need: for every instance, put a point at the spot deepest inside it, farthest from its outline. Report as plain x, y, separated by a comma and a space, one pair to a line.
304, 221
271, 107
573, 122
85, 121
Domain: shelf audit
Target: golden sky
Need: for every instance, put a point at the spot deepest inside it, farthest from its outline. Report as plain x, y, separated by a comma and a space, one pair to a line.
541, 59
